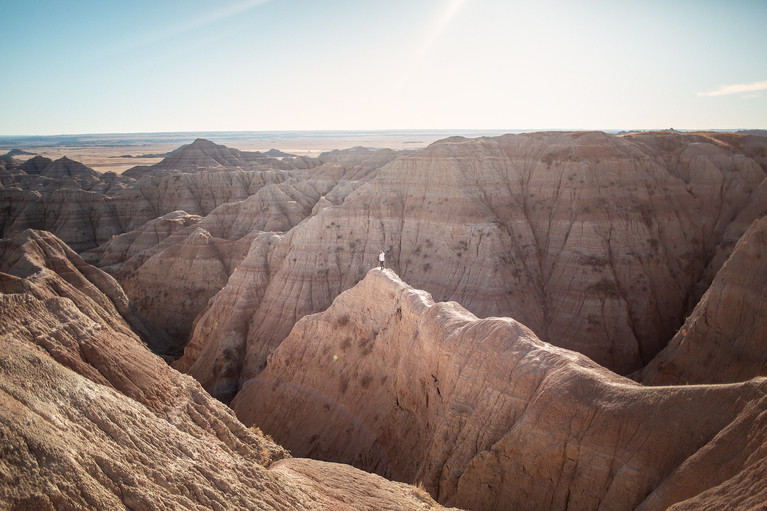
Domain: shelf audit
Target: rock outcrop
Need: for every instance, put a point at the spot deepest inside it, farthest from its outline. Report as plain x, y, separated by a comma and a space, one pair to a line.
35, 165
82, 219
725, 338
599, 244
196, 193
192, 272
91, 419
189, 179
41, 173
137, 243
490, 417
275, 202
63, 197
203, 155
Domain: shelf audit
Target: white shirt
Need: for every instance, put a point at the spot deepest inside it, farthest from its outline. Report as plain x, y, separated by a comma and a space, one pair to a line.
381, 257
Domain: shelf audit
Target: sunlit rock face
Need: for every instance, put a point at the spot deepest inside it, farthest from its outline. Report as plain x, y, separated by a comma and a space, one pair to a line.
490, 417
599, 244
173, 265
91, 419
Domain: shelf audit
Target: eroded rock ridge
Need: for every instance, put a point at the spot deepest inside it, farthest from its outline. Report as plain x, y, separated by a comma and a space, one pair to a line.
91, 419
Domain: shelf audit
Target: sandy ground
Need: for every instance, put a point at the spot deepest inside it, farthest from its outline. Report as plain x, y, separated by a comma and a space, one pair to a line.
119, 154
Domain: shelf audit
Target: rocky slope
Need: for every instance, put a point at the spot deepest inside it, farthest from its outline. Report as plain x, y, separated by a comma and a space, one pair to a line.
91, 419
86, 209
603, 245
41, 174
489, 417
724, 339
272, 202
599, 244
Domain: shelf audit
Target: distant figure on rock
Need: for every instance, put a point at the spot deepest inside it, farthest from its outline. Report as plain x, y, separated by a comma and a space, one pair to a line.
381, 259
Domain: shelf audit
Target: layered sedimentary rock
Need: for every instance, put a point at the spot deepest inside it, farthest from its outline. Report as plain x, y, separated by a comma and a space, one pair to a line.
91, 419
276, 202
82, 219
63, 197
35, 165
50, 195
599, 244
66, 169
36, 265
192, 272
87, 219
43, 174
138, 242
490, 417
203, 154
193, 258
196, 193
225, 327
725, 338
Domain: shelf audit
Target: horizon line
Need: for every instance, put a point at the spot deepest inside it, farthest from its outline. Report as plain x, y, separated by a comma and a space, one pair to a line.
377, 130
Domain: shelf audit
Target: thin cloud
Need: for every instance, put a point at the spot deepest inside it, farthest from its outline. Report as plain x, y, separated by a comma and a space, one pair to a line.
190, 25
437, 29
433, 34
738, 88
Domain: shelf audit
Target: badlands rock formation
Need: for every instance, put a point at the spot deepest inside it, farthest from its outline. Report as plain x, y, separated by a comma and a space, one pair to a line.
86, 209
93, 219
490, 417
599, 244
272, 201
204, 155
608, 246
91, 419
40, 173
723, 340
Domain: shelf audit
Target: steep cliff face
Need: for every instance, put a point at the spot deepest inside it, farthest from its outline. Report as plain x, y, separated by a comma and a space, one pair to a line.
490, 417
91, 419
63, 197
725, 338
137, 244
599, 244
82, 219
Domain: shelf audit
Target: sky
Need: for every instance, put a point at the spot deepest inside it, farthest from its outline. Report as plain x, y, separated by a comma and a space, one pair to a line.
108, 66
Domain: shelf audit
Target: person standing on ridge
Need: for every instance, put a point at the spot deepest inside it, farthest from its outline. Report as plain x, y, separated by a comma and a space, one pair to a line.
381, 259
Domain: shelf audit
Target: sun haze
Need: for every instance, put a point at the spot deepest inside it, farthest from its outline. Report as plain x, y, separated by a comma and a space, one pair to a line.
184, 65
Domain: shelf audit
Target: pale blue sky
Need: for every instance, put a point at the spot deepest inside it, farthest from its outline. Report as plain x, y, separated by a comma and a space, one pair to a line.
94, 66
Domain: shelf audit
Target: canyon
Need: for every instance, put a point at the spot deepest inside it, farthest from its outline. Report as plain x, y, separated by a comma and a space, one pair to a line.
568, 320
